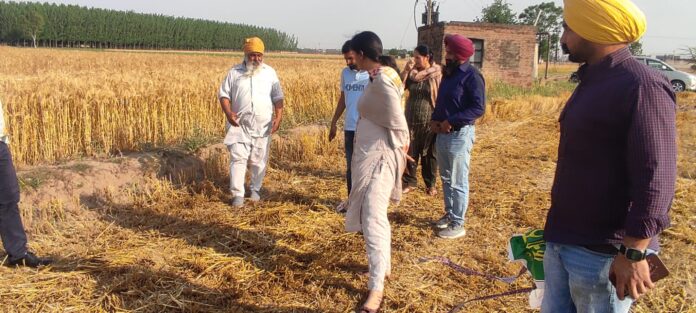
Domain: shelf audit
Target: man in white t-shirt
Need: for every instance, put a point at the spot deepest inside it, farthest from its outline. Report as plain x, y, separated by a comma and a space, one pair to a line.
14, 239
252, 100
353, 84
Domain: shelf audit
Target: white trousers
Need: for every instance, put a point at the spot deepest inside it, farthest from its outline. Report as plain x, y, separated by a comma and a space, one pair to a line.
253, 155
375, 225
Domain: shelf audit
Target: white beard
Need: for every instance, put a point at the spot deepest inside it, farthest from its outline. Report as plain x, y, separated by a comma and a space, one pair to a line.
251, 69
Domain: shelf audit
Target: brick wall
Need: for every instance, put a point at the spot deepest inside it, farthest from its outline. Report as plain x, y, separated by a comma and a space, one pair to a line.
433, 37
508, 50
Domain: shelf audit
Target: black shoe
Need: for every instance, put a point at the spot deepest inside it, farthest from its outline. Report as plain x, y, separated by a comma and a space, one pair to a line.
30, 260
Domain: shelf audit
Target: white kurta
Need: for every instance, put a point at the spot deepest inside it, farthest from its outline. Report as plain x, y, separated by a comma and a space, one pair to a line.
377, 165
252, 98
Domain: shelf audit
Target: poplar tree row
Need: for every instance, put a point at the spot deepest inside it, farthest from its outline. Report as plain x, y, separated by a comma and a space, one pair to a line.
53, 25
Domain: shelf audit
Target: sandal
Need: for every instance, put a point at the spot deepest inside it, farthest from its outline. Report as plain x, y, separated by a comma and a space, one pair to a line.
342, 207
406, 190
378, 300
432, 191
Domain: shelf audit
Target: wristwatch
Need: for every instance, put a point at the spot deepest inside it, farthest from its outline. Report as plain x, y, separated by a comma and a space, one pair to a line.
633, 254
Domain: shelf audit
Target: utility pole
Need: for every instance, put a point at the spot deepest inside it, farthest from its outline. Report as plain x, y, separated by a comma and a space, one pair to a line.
431, 15
555, 43
536, 20
429, 12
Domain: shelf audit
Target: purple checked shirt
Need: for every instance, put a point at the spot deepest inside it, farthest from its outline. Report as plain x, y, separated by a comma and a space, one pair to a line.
617, 157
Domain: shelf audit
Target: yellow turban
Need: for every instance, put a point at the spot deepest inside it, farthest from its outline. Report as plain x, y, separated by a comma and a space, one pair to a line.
605, 21
254, 44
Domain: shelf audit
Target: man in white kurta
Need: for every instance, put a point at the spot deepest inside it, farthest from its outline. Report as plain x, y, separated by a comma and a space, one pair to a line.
252, 100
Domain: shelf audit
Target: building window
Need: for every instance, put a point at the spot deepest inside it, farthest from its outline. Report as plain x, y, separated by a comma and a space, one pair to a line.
477, 59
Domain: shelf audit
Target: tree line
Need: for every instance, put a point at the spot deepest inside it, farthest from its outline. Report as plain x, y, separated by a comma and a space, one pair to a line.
53, 25
547, 17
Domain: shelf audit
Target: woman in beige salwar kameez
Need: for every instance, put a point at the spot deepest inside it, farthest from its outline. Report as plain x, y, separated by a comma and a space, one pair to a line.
379, 159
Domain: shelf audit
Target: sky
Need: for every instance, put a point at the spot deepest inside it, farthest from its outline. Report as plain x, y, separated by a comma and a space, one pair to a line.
326, 24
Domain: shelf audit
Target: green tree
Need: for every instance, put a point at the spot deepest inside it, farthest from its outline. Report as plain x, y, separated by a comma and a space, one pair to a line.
15, 34
548, 18
34, 23
636, 48
498, 12
74, 26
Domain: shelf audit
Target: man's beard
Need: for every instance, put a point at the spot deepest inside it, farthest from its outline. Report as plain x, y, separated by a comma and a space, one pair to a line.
450, 67
353, 67
252, 68
572, 57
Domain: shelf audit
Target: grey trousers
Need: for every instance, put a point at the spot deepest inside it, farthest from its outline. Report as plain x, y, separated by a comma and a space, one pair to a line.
14, 239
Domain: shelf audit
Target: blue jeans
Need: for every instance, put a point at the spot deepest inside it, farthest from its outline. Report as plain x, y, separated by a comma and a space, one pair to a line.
453, 158
348, 145
577, 280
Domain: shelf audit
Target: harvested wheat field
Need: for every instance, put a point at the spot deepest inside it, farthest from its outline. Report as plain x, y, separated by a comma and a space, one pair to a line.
124, 185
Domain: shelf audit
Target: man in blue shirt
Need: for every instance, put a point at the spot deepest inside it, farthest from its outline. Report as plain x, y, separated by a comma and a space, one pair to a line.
353, 84
461, 100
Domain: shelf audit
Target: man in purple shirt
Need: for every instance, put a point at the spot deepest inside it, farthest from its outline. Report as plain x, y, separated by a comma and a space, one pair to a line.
616, 169
460, 101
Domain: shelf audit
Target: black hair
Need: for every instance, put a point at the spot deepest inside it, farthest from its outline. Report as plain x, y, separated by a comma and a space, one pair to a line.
426, 52
368, 44
346, 47
387, 60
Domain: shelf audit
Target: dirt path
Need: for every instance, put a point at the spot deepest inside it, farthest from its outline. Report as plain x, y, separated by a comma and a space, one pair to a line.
75, 182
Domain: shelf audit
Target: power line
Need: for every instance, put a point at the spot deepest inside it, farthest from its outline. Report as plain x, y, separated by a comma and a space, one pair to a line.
414, 15
406, 28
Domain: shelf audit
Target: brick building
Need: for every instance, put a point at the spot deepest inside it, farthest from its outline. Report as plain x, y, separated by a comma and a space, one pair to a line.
503, 52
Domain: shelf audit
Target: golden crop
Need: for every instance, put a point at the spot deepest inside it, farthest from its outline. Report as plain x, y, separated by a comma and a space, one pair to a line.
67, 104
162, 245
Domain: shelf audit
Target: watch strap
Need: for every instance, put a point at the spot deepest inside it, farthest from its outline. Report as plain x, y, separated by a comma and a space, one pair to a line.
633, 254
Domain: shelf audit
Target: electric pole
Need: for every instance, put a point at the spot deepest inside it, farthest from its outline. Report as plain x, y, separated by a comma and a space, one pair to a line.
555, 43
429, 12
